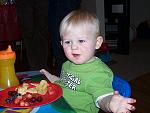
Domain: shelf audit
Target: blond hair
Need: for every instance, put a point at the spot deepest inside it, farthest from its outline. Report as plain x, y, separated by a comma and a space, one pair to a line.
80, 18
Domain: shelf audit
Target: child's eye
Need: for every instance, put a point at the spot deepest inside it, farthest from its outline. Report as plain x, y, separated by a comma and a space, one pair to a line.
67, 42
81, 41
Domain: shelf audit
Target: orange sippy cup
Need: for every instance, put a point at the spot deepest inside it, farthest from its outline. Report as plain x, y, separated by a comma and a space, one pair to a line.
8, 76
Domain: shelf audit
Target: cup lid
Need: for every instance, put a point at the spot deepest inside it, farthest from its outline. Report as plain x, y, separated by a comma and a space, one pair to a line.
8, 53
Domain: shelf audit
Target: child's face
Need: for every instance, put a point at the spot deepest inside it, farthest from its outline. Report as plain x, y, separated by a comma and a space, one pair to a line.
79, 45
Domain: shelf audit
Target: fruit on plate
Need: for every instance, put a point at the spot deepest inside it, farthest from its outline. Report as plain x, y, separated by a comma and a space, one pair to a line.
40, 88
28, 93
11, 98
25, 100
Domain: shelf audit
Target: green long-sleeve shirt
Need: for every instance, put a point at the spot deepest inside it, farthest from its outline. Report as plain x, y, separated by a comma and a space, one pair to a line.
83, 84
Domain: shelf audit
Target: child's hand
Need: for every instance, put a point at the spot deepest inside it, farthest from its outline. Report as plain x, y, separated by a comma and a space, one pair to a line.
120, 104
50, 77
46, 73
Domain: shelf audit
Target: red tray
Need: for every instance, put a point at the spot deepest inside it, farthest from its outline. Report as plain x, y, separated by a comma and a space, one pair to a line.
47, 98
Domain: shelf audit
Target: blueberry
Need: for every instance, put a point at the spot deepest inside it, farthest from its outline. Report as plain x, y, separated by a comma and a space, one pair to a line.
12, 93
39, 98
8, 100
33, 99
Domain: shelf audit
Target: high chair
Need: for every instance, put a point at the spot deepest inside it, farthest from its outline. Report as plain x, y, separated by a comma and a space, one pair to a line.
122, 86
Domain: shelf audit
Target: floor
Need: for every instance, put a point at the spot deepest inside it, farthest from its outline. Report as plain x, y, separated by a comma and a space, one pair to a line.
141, 91
136, 63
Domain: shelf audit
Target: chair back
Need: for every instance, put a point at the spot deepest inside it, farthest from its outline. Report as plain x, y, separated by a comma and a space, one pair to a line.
122, 86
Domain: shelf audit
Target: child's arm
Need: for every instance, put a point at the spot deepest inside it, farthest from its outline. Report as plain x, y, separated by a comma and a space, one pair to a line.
49, 76
117, 104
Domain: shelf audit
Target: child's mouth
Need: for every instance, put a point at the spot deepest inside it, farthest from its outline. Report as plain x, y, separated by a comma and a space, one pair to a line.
75, 55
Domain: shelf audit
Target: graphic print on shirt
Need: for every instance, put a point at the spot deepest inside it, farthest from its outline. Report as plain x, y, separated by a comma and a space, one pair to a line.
70, 80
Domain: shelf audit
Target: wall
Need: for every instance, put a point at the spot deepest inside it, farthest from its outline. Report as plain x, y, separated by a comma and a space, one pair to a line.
96, 6
89, 5
139, 11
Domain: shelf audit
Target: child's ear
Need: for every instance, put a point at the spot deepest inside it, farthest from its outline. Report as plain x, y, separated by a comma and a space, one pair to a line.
61, 42
99, 42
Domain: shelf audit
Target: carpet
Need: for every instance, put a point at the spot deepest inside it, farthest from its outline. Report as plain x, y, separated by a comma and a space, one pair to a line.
142, 78
141, 92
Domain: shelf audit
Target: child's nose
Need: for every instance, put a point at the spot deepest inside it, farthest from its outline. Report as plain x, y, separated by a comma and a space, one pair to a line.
74, 46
